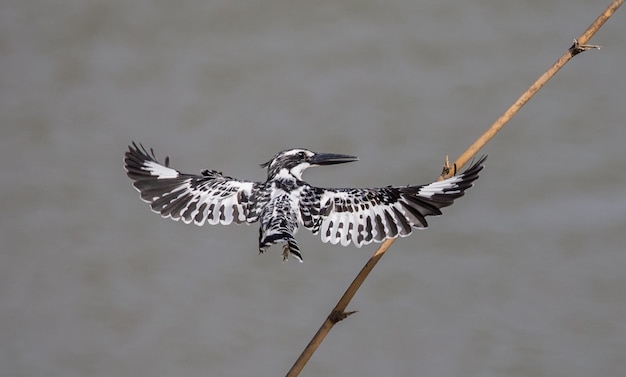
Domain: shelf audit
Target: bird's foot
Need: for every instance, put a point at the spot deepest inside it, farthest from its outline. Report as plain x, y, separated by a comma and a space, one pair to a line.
286, 252
293, 249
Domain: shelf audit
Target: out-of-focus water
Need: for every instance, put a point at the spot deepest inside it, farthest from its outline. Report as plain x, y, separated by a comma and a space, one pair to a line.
524, 276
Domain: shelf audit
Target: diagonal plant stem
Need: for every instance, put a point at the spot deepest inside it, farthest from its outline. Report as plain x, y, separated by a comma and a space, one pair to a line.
339, 313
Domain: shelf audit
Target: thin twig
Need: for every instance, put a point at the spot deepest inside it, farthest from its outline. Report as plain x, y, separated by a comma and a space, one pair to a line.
339, 313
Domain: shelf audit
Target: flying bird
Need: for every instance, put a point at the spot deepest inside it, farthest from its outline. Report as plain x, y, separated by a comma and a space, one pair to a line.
284, 202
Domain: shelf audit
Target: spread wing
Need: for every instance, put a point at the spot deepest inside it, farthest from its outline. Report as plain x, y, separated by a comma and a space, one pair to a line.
210, 197
363, 216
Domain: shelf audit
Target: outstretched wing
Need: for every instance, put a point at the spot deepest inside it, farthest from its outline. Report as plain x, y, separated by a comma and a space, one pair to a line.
363, 216
210, 197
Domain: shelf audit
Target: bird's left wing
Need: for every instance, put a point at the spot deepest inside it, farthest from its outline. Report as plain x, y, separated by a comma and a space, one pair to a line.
365, 215
210, 197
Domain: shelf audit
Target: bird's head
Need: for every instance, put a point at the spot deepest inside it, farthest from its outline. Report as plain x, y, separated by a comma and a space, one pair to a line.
292, 162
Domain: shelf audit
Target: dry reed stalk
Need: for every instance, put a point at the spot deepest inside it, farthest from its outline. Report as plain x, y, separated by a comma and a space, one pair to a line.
339, 313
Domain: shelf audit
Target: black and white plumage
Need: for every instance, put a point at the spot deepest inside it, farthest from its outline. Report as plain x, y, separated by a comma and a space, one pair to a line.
284, 202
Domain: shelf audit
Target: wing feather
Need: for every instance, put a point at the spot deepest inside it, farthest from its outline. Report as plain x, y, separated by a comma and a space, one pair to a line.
210, 197
362, 216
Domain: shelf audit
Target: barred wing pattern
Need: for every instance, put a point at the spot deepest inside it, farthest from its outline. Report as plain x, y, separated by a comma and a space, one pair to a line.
210, 197
362, 216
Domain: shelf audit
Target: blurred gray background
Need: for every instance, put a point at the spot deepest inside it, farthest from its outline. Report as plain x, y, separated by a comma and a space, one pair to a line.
525, 276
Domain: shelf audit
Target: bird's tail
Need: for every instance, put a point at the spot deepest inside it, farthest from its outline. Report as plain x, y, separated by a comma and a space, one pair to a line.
290, 247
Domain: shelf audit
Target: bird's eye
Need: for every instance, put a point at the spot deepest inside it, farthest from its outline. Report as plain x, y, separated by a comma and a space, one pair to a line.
301, 155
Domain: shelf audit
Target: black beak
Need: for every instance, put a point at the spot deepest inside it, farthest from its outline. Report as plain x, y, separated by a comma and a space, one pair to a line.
331, 159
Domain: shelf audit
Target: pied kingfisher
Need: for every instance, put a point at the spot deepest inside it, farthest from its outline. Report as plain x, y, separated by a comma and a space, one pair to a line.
285, 202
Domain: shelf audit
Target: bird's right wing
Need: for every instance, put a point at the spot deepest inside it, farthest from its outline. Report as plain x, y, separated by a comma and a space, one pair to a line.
362, 216
210, 197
